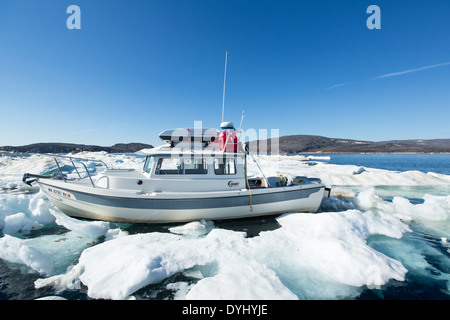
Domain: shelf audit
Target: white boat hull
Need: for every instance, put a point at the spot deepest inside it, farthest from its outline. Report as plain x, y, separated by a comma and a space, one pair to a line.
83, 201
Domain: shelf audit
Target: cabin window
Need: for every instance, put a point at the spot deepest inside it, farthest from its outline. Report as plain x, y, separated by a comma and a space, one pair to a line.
148, 164
224, 166
169, 166
195, 166
166, 166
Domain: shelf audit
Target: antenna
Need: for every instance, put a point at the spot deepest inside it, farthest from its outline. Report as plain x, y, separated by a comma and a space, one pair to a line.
224, 80
240, 126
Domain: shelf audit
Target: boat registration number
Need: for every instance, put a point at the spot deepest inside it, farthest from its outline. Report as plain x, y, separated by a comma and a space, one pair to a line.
61, 193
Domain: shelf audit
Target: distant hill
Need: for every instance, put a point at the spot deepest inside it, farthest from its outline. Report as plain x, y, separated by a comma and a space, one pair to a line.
69, 147
287, 144
308, 143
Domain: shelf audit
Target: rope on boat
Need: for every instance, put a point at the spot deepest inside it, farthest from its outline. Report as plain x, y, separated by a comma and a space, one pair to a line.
249, 189
257, 164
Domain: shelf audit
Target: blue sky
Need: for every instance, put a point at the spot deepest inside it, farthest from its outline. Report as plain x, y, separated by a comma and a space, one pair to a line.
136, 68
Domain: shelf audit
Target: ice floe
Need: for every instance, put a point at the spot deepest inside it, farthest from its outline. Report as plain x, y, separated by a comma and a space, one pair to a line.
89, 228
195, 228
330, 244
345, 175
15, 250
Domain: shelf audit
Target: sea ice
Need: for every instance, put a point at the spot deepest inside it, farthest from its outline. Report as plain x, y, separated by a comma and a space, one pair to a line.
19, 221
24, 212
15, 250
331, 244
334, 245
89, 228
433, 209
343, 175
50, 253
311, 256
194, 229
51, 298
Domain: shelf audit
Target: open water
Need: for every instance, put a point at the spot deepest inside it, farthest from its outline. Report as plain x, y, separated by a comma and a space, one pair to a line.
439, 163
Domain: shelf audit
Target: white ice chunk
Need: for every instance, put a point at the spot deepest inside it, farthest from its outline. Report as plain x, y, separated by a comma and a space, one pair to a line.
433, 209
89, 228
51, 298
17, 222
14, 250
241, 279
193, 229
334, 245
69, 280
180, 288
115, 233
23, 212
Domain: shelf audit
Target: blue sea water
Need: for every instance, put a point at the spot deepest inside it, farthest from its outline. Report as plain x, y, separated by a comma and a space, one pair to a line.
417, 284
424, 243
438, 163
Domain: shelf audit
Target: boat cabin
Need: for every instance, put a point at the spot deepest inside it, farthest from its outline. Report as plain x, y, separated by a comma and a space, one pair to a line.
194, 172
188, 163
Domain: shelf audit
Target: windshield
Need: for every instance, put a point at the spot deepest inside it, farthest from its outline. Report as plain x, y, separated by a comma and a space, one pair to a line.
181, 166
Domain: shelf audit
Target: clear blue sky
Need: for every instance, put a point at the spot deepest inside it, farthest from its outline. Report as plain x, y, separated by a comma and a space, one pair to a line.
304, 67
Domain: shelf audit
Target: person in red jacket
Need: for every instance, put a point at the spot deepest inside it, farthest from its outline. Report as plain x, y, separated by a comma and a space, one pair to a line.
228, 140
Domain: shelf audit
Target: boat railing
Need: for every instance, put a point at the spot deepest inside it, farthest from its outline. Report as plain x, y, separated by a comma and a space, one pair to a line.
61, 175
80, 160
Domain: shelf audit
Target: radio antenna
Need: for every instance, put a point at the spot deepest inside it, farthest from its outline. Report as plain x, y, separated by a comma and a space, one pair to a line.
224, 80
240, 126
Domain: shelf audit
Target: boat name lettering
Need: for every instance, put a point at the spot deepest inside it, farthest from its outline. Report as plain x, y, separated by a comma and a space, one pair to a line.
232, 184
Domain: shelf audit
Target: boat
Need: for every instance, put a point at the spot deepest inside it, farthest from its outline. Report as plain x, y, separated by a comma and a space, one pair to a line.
197, 174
